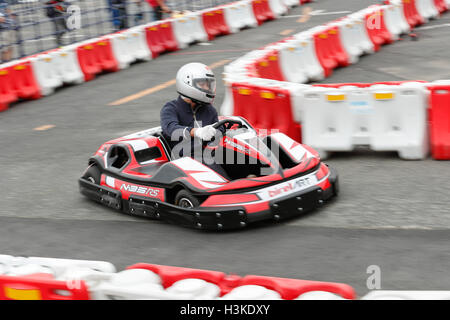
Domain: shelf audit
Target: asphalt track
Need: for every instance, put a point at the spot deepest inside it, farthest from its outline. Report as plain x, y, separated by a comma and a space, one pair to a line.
390, 212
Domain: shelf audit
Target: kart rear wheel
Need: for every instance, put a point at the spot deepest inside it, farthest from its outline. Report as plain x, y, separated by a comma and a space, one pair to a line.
92, 174
186, 200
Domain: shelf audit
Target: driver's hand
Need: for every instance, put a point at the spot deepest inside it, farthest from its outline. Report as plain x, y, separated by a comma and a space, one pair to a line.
205, 133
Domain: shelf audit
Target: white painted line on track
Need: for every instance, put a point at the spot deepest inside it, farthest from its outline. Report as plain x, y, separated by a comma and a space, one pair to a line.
317, 13
433, 27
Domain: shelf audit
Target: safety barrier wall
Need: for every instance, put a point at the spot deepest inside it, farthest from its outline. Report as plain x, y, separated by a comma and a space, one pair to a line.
39, 278
41, 74
390, 116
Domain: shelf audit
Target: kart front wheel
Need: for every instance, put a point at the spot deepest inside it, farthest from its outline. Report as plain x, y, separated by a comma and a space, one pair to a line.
186, 200
92, 174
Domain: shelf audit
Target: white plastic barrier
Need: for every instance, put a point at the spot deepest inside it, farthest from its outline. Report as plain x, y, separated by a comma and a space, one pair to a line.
134, 284
252, 292
348, 32
291, 3
427, 9
239, 15
245, 14
60, 268
399, 120
292, 60
311, 65
189, 29
394, 20
278, 8
121, 50
361, 37
45, 73
396, 17
100, 266
385, 118
406, 295
137, 44
194, 289
66, 64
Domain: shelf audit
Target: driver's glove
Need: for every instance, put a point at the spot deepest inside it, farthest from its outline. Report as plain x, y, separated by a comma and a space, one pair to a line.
205, 133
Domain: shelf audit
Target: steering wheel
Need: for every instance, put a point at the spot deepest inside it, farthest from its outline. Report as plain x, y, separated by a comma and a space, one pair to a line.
229, 122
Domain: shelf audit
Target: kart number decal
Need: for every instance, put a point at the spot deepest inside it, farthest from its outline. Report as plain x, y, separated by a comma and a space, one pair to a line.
151, 192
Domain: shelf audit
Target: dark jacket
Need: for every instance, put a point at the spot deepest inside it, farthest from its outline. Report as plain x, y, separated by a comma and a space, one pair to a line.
177, 116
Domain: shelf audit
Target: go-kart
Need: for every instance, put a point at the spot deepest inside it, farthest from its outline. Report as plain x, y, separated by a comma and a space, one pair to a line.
269, 176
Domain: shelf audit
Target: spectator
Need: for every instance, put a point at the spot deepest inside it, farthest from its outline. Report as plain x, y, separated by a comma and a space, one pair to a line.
139, 15
119, 13
6, 31
56, 10
159, 7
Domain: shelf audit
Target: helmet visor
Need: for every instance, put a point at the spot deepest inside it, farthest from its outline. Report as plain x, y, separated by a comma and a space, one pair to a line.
207, 85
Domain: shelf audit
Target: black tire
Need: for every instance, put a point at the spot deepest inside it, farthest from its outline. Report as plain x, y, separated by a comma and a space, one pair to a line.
185, 199
93, 174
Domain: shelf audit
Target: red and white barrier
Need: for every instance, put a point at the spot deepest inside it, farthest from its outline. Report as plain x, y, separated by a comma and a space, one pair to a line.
38, 278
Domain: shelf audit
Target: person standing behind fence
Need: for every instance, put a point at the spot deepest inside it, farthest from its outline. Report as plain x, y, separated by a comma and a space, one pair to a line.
159, 7
119, 13
56, 10
6, 31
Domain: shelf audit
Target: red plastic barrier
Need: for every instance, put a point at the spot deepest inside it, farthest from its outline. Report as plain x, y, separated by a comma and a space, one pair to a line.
377, 30
168, 37
339, 54
324, 52
244, 102
169, 275
40, 287
7, 92
214, 23
88, 60
287, 288
291, 288
441, 5
266, 108
23, 81
154, 40
440, 121
210, 24
268, 67
412, 15
262, 11
105, 56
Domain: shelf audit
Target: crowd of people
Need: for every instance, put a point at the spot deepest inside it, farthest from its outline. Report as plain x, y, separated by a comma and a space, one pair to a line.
56, 11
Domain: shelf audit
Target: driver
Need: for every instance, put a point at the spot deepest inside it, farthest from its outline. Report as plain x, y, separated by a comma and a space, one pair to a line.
191, 115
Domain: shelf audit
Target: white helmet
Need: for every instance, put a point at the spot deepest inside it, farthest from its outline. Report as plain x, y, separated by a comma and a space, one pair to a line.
196, 81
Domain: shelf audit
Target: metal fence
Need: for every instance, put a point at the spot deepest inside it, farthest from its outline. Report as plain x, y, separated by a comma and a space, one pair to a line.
26, 29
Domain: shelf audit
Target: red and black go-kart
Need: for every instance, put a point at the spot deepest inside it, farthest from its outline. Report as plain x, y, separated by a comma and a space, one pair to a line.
271, 177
